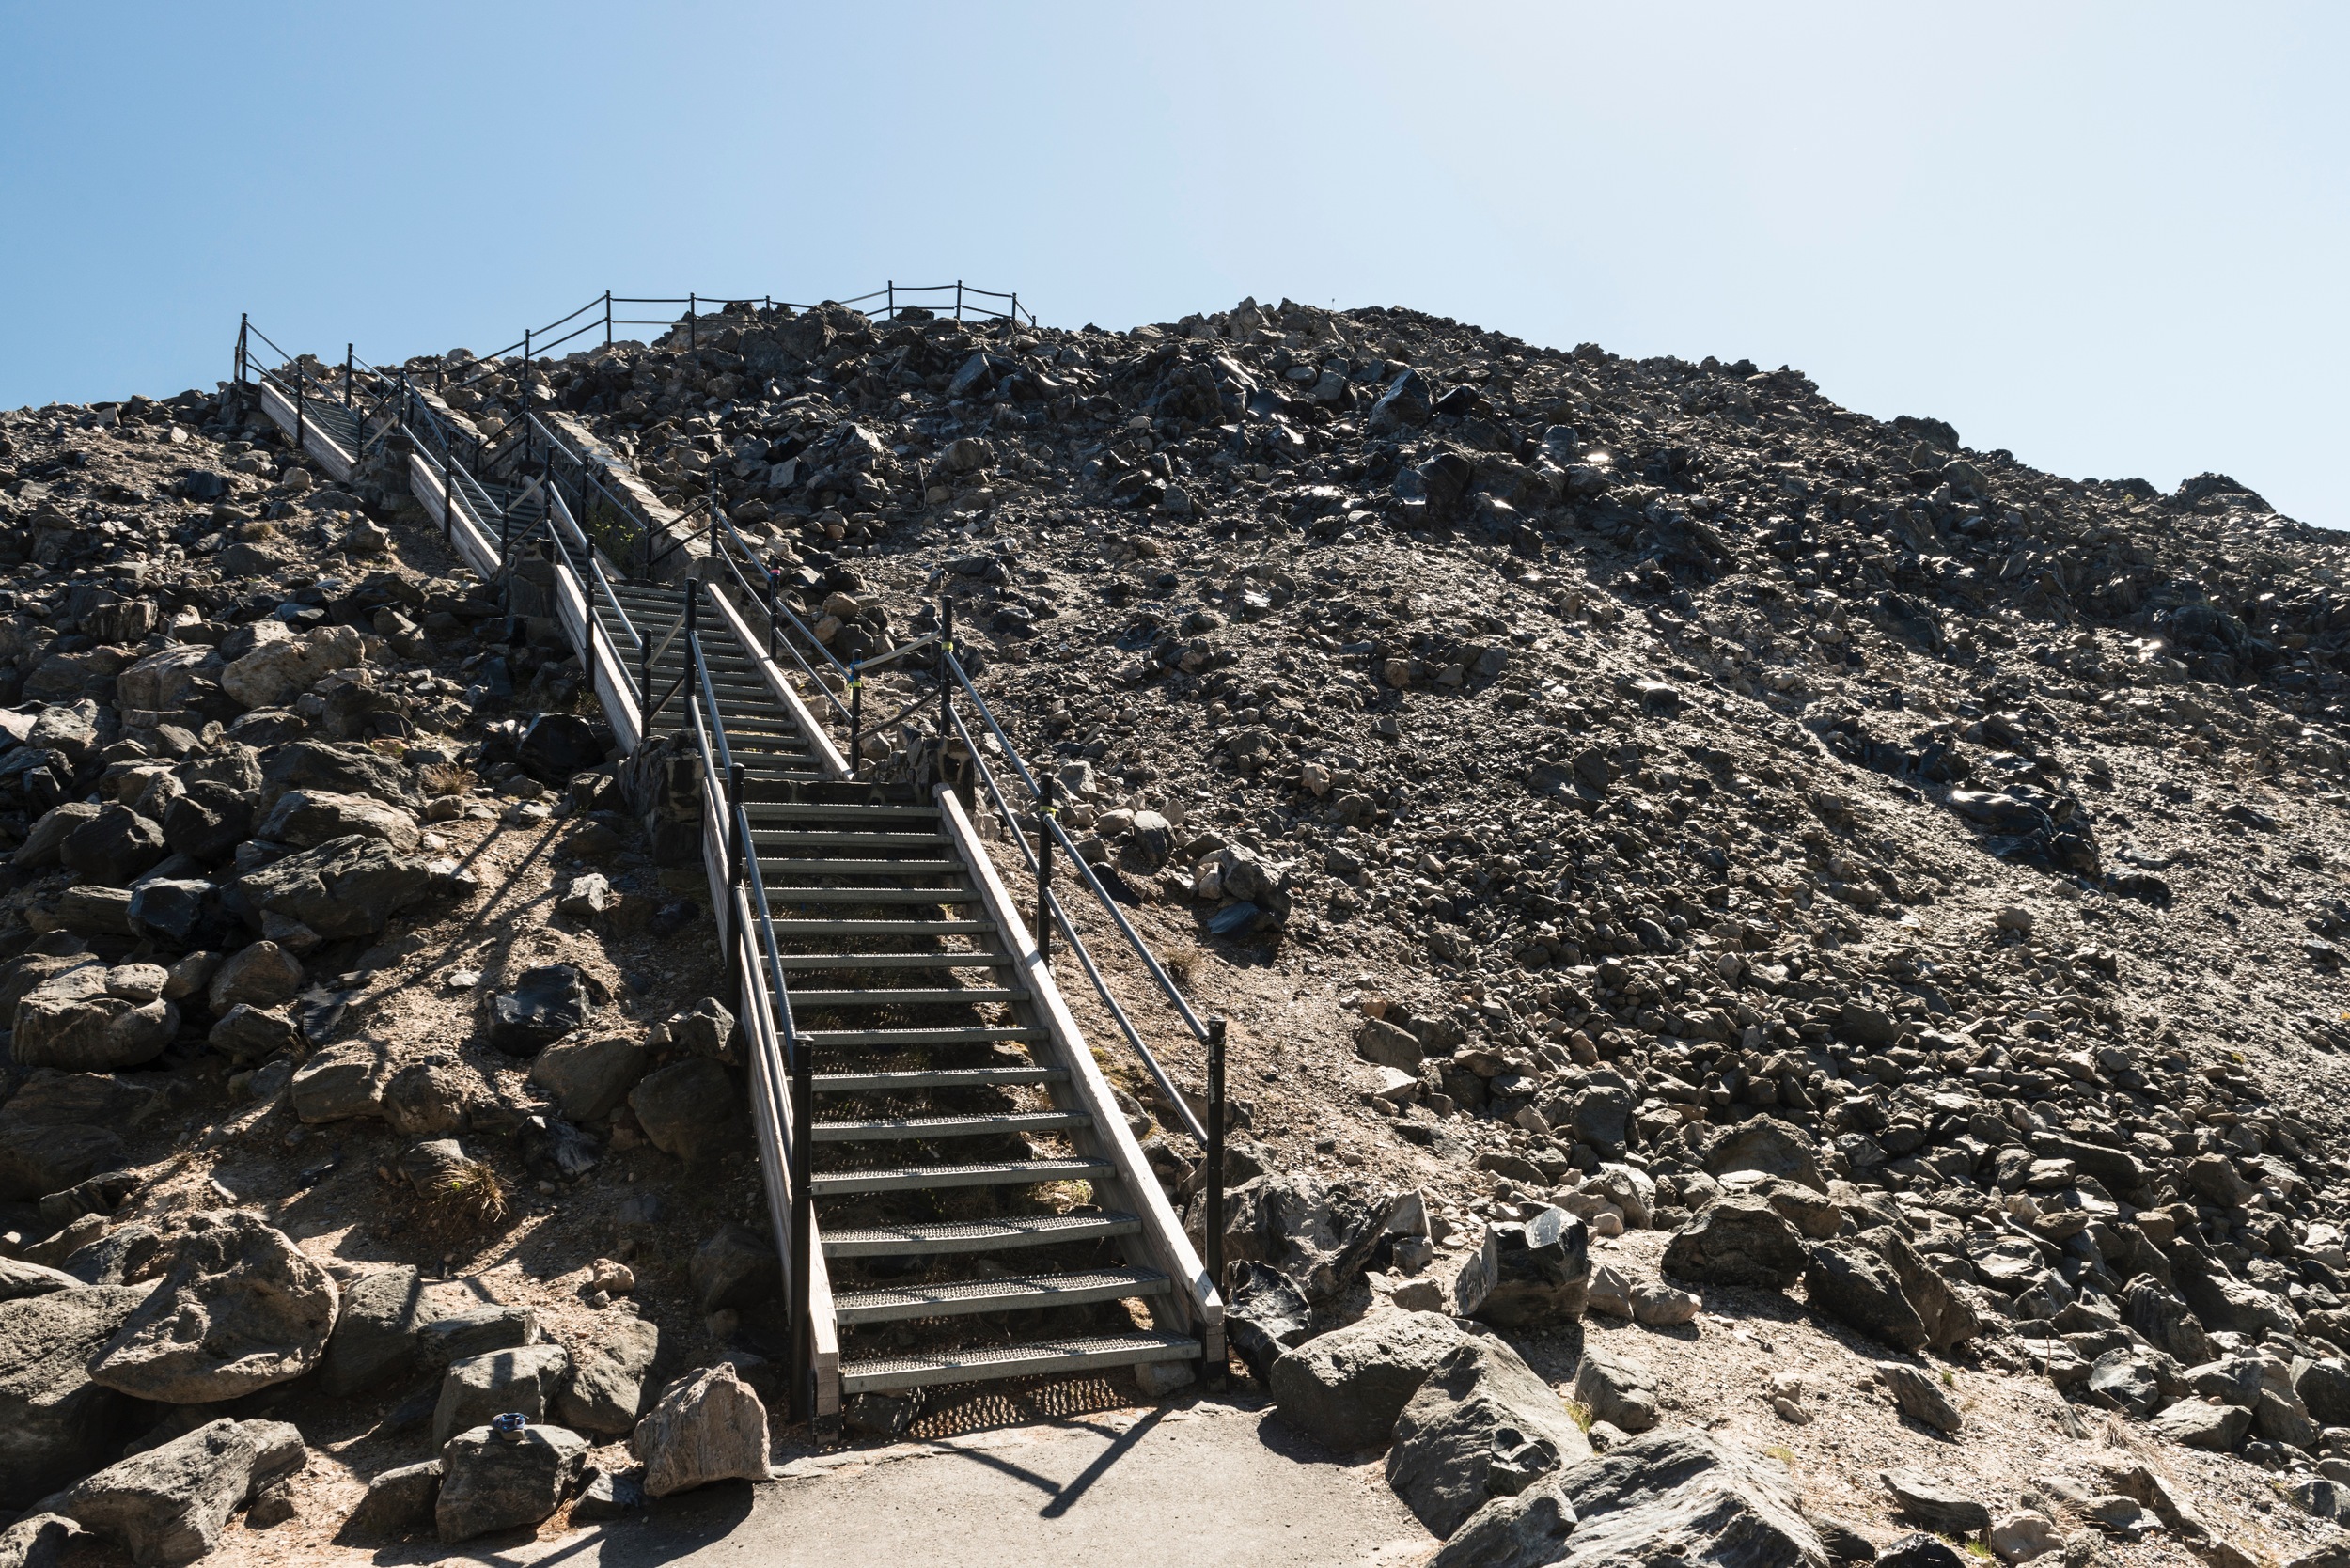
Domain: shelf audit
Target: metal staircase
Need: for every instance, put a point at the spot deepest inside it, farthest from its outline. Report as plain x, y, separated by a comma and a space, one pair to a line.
954, 1191
946, 1145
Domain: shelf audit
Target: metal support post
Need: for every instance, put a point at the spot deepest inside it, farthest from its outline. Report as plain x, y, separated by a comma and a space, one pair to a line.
1044, 809
1213, 1228
348, 359
607, 317
856, 717
692, 327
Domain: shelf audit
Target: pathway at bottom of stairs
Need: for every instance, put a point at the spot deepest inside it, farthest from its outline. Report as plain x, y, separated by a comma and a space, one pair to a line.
1203, 1483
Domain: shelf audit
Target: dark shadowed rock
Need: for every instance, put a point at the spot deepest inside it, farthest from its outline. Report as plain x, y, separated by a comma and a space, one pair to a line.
345, 887
1936, 1504
606, 1390
686, 1108
1673, 1496
398, 1500
735, 1267
55, 1423
1738, 1241
1541, 1270
589, 1078
375, 1331
547, 1003
557, 745
1265, 1314
112, 847
1854, 1285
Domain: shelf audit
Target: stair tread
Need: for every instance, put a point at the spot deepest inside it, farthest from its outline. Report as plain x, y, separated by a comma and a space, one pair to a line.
943, 1078
909, 995
1012, 1292
926, 1178
949, 1126
973, 1235
896, 960
974, 1035
1039, 1358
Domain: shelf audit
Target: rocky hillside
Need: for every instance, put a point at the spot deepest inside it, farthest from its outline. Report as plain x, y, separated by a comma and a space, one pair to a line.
1671, 848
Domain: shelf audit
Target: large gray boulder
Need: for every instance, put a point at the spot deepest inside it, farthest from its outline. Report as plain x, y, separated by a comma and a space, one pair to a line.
479, 1387
1767, 1145
55, 1423
375, 1331
168, 1505
2166, 1322
708, 1426
491, 1483
243, 1308
589, 1078
73, 1023
1854, 1285
345, 887
1346, 1388
606, 1390
112, 847
36, 1541
1674, 1498
1738, 1241
308, 818
19, 1280
1949, 1318
1613, 1389
1483, 1425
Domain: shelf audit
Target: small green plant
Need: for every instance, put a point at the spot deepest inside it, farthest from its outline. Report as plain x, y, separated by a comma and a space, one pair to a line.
1948, 1380
1784, 1455
1580, 1414
1975, 1548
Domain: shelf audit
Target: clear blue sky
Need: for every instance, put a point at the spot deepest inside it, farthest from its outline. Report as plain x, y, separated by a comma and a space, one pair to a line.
2109, 238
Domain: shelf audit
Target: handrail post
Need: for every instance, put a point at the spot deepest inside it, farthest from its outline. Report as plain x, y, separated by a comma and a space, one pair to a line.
1212, 1230
856, 717
736, 874
347, 378
891, 287
958, 299
1044, 809
607, 317
244, 325
946, 680
803, 1071
298, 401
693, 340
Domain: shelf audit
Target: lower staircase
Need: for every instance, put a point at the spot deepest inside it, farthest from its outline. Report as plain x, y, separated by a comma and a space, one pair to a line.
973, 1218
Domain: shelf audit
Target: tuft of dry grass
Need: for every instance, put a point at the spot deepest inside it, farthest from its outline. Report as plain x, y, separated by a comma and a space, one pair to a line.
1182, 960
470, 1195
443, 779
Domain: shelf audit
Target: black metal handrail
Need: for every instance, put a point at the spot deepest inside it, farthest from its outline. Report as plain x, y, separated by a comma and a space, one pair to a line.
778, 615
1134, 938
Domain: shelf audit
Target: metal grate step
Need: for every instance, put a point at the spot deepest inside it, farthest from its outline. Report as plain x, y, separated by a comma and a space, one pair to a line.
908, 996
1018, 1292
978, 1034
939, 1237
884, 1373
950, 1126
942, 1077
925, 1177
